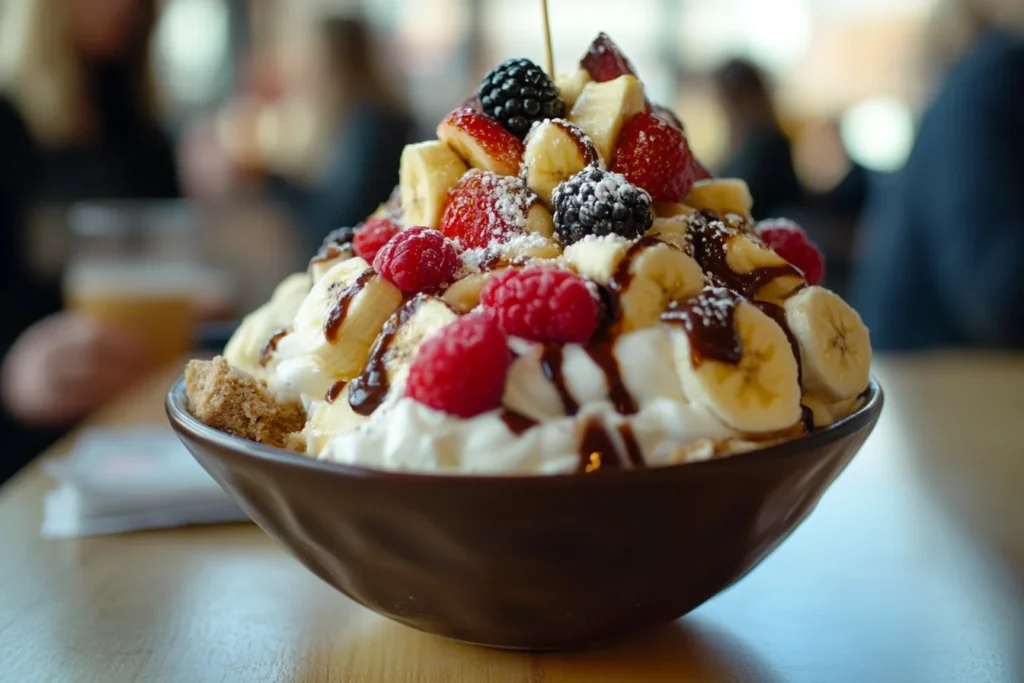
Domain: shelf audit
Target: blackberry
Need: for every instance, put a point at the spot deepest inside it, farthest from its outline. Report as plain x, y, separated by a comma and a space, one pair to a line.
596, 202
517, 93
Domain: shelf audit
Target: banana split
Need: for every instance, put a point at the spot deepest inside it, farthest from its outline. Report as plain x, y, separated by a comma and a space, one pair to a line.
556, 286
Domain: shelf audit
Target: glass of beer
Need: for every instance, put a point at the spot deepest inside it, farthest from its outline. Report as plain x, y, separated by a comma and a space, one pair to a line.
134, 265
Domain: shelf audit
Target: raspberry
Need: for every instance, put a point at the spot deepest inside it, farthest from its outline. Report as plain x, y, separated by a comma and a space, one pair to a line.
461, 370
542, 304
517, 93
791, 243
654, 155
596, 202
373, 235
417, 260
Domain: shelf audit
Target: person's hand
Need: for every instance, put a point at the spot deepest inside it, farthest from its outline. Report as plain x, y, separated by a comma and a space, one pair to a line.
65, 366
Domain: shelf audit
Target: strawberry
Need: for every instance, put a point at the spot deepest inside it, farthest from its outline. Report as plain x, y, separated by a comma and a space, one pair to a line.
655, 156
481, 141
700, 171
791, 243
604, 60
485, 207
668, 116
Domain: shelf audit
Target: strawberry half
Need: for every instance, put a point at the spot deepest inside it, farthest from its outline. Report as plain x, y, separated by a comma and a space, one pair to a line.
484, 208
789, 241
481, 141
655, 156
604, 60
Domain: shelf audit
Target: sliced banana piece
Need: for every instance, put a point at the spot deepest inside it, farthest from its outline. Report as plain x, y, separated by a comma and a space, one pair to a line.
722, 195
820, 413
571, 85
244, 348
602, 109
384, 374
760, 393
328, 419
672, 209
464, 295
744, 255
427, 171
646, 275
673, 231
835, 347
342, 315
556, 150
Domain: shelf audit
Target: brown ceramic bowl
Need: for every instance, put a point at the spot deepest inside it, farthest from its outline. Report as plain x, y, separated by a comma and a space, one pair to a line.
531, 562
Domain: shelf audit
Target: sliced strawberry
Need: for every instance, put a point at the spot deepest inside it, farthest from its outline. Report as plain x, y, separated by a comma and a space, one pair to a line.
481, 141
655, 156
472, 102
668, 116
484, 208
604, 60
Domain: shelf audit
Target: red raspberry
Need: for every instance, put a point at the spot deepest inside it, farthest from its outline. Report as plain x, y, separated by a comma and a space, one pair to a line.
418, 259
373, 235
542, 304
791, 243
655, 156
461, 370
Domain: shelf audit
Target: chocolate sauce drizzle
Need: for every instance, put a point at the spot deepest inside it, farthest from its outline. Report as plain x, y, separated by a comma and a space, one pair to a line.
335, 391
516, 422
603, 354
598, 452
329, 252
270, 345
336, 316
710, 241
551, 366
710, 323
778, 314
368, 390
807, 417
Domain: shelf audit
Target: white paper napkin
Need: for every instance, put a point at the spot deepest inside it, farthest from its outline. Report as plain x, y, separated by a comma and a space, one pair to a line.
118, 480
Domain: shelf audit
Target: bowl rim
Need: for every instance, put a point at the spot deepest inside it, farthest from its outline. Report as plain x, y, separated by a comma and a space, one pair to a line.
182, 420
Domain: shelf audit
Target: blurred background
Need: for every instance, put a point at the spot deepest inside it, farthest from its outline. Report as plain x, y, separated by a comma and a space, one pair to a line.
194, 152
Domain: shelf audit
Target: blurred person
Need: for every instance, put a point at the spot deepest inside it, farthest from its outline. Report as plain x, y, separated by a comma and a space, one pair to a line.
370, 125
78, 121
761, 153
941, 264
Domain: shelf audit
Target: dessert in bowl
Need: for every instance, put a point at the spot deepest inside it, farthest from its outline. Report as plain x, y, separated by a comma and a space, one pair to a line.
560, 387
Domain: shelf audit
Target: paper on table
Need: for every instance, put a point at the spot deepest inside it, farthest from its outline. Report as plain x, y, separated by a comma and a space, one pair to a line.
118, 480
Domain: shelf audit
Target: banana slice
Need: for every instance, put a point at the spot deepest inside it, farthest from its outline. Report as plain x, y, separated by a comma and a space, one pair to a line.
244, 348
328, 419
406, 329
749, 382
673, 231
427, 171
464, 295
744, 255
820, 413
342, 315
672, 209
835, 347
602, 108
722, 195
571, 85
556, 150
646, 275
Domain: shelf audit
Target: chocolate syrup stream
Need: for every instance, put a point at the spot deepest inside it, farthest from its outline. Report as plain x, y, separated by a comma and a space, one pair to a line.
598, 452
336, 316
551, 366
807, 417
709, 250
516, 422
603, 354
778, 314
369, 389
712, 337
270, 345
335, 391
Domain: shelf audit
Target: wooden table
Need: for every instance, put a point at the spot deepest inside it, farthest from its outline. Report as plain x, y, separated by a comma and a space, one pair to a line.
910, 571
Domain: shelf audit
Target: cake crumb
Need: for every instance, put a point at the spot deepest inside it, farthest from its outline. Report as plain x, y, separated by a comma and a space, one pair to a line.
235, 402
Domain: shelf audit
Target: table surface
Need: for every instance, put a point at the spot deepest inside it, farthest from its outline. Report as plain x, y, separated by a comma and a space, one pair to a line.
910, 570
